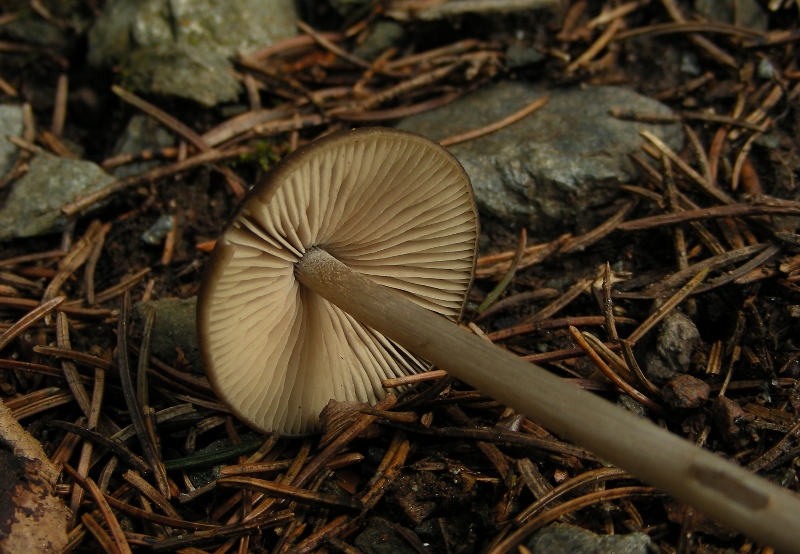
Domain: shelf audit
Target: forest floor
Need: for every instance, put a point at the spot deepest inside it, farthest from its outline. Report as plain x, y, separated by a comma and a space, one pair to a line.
445, 469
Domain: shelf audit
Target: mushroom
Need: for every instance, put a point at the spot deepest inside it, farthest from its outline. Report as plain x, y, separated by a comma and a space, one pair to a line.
342, 263
391, 205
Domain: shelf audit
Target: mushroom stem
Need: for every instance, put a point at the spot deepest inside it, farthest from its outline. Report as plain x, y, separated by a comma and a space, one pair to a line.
708, 482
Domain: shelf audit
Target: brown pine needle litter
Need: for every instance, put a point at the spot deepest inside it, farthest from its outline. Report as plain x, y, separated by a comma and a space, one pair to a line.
131, 434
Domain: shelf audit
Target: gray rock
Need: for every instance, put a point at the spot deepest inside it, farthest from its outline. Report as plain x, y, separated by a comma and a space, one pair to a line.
519, 55
10, 124
184, 71
566, 539
384, 35
175, 327
182, 47
347, 7
550, 170
34, 205
677, 339
142, 133
742, 13
626, 402
454, 9
158, 231
32, 29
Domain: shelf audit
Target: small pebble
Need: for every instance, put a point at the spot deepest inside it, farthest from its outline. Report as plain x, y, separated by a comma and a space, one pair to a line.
156, 233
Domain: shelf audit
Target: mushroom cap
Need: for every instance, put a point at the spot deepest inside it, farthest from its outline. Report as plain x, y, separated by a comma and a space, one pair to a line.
392, 205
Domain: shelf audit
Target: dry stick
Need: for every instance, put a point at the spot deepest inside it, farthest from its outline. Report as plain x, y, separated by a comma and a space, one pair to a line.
413, 379
183, 130
292, 43
211, 156
401, 88
558, 355
86, 449
582, 242
70, 371
19, 401
147, 490
295, 475
133, 511
616, 379
607, 15
759, 207
671, 282
21, 282
181, 542
678, 238
7, 89
560, 302
17, 260
633, 365
621, 113
104, 539
67, 308
712, 49
162, 117
705, 186
404, 111
142, 391
766, 459
124, 286
334, 447
91, 263
29, 319
533, 255
34, 408
169, 241
331, 529
711, 484
700, 152
497, 125
387, 471
594, 476
76, 356
665, 308
137, 419
142, 155
690, 27
608, 305
24, 445
495, 293
282, 77
758, 261
605, 38
704, 234
320, 39
245, 122
740, 159
572, 505
579, 321
105, 509
609, 356
543, 293
74, 259
60, 109
760, 113
286, 491
110, 444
